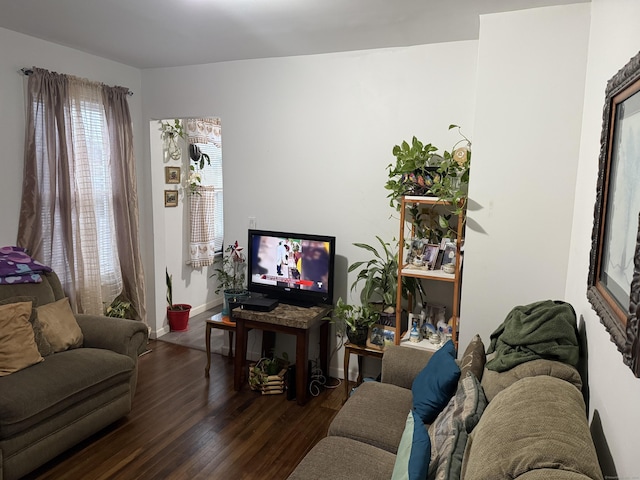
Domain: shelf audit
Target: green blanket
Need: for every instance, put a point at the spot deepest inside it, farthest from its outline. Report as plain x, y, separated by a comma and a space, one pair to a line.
545, 329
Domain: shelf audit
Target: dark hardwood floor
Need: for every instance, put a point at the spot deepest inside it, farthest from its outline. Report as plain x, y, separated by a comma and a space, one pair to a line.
184, 426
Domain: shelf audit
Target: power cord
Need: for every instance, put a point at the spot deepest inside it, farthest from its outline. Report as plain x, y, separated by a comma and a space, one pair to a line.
318, 380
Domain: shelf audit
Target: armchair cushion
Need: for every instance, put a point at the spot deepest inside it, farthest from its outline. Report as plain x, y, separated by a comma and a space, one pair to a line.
18, 347
59, 325
43, 345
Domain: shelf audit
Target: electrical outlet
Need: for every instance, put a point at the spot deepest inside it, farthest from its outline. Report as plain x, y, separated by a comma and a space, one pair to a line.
252, 222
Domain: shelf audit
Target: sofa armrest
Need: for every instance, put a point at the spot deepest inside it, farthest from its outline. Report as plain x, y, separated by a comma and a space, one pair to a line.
128, 337
400, 365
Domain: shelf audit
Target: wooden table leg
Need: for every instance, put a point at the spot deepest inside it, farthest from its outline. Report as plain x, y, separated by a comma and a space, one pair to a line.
324, 348
241, 354
230, 354
347, 357
359, 379
302, 374
207, 337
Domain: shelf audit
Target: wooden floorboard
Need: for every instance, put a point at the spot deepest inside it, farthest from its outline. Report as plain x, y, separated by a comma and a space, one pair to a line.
184, 426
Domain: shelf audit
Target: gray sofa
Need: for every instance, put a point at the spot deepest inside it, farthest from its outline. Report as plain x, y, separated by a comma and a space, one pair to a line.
50, 406
532, 424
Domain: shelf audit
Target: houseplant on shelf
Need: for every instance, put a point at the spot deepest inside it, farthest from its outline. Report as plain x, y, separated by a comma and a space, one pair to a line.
177, 313
380, 277
231, 275
354, 320
420, 170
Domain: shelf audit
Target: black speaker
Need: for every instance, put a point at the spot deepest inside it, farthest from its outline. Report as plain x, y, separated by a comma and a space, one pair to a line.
290, 382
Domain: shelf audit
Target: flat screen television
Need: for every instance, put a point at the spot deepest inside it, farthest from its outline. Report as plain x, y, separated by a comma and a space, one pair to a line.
295, 268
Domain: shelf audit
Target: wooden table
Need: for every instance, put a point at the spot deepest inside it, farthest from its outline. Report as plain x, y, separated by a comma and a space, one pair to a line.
289, 319
361, 352
222, 323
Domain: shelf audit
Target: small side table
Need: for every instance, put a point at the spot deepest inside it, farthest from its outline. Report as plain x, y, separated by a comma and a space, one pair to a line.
222, 323
361, 352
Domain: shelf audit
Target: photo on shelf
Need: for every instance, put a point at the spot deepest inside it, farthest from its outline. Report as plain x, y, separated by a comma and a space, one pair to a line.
380, 336
449, 254
431, 255
415, 255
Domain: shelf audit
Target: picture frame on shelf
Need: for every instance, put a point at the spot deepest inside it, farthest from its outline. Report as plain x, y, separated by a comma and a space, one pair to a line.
380, 336
449, 254
170, 198
430, 255
172, 175
415, 257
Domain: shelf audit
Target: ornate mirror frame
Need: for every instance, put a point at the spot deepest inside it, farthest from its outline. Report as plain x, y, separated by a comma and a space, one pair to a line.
616, 226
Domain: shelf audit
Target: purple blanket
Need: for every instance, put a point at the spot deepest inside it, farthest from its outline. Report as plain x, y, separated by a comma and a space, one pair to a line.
16, 266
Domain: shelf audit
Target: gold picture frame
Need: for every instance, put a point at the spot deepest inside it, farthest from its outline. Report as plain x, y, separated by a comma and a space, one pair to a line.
170, 198
172, 175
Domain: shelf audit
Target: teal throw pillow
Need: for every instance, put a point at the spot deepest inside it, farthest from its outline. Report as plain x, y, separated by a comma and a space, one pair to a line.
414, 451
434, 386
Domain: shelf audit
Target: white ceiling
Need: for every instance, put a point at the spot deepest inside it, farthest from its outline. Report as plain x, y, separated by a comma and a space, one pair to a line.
167, 33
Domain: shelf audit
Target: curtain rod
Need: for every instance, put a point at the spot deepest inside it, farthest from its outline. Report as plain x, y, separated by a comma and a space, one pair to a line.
28, 71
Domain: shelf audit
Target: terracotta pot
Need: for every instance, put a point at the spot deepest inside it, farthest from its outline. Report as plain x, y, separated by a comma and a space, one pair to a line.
179, 317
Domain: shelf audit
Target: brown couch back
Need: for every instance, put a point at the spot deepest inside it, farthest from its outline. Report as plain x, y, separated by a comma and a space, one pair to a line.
49, 290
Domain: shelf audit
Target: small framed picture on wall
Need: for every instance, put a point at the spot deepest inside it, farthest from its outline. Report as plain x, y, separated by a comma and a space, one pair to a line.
170, 198
172, 174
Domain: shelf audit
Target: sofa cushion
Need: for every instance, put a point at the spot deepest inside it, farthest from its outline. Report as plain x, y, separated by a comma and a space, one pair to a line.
43, 345
536, 423
494, 382
450, 429
31, 395
339, 457
59, 326
436, 383
375, 414
473, 358
414, 451
18, 347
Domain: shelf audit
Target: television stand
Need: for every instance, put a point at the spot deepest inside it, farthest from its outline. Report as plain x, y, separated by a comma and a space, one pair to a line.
289, 319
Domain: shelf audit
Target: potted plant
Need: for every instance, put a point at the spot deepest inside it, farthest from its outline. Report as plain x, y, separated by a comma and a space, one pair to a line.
354, 320
199, 158
419, 170
380, 277
231, 275
267, 374
119, 309
177, 313
171, 132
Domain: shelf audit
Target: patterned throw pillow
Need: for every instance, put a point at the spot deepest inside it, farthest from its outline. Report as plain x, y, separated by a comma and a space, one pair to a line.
434, 386
450, 430
414, 451
473, 358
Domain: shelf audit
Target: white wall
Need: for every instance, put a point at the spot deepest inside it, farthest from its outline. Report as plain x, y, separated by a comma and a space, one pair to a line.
306, 140
615, 392
526, 139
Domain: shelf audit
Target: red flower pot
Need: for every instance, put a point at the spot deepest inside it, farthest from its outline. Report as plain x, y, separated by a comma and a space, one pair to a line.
178, 317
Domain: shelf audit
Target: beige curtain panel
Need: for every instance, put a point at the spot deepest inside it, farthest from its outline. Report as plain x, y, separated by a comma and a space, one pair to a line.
79, 210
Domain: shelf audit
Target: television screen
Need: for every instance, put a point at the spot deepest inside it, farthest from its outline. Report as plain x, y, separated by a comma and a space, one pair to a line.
292, 267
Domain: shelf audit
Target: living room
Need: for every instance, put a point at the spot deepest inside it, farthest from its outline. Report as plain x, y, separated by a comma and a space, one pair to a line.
528, 92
